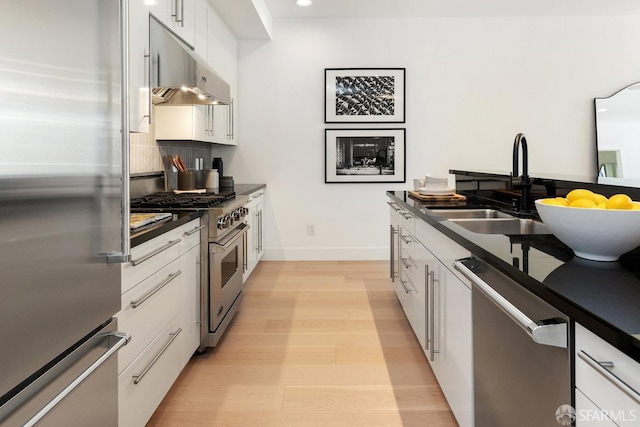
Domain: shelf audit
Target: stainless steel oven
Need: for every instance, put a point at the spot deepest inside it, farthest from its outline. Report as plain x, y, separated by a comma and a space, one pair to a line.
226, 265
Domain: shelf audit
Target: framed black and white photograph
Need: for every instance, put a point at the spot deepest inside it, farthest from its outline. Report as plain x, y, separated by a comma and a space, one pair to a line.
364, 155
364, 95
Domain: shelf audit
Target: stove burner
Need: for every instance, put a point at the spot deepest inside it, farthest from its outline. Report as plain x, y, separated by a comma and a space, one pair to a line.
181, 201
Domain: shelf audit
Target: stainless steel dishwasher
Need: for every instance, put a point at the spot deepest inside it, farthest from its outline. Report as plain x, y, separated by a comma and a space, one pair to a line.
521, 356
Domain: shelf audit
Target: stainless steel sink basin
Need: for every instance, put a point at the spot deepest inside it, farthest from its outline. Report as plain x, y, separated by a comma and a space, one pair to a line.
471, 213
509, 225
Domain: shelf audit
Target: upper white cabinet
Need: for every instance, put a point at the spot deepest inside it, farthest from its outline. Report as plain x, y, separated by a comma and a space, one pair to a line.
139, 71
222, 55
217, 46
201, 45
184, 122
178, 16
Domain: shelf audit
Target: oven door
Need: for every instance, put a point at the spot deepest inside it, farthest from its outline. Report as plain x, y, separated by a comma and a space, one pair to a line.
226, 263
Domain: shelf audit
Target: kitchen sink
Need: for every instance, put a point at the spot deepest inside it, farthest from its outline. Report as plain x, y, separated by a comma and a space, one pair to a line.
471, 213
509, 225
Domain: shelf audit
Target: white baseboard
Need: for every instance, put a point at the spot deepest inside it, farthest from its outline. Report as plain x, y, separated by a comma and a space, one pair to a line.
325, 254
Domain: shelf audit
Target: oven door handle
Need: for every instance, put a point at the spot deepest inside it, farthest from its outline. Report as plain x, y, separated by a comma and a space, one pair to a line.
227, 241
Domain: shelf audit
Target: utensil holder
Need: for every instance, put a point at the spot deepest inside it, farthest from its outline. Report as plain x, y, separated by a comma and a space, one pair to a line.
186, 180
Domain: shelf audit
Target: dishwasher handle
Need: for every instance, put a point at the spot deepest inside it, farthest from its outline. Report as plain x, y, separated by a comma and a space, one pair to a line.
551, 332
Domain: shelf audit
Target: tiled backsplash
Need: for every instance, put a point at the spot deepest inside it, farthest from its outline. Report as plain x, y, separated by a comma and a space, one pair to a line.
145, 155
148, 155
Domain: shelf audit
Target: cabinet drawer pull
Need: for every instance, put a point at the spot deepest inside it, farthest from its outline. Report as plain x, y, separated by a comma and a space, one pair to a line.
407, 215
406, 290
156, 252
189, 233
404, 262
165, 282
394, 206
404, 239
604, 368
140, 376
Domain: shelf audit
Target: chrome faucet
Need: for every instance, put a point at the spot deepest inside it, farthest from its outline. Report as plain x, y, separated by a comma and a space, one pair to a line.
524, 185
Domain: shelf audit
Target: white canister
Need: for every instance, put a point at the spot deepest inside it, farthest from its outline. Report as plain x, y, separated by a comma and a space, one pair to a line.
212, 180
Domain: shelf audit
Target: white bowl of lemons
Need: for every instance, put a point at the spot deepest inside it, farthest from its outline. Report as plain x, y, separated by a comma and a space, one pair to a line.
596, 227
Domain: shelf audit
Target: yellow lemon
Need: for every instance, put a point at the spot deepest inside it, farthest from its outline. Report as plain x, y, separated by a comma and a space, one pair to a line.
619, 201
583, 203
604, 206
580, 193
636, 206
558, 201
600, 199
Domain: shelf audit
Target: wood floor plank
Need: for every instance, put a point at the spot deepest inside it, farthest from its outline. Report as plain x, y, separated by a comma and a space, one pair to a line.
314, 344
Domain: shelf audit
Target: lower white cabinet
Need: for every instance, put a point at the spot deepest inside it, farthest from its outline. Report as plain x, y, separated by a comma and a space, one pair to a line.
607, 381
145, 381
161, 311
437, 304
253, 245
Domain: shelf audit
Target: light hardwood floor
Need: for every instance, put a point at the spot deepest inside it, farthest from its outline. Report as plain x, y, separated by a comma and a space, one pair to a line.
314, 344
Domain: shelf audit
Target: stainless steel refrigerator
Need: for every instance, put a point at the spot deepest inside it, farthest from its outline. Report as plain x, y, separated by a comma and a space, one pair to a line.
63, 200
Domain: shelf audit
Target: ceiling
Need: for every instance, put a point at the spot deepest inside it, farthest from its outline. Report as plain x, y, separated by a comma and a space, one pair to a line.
451, 8
251, 19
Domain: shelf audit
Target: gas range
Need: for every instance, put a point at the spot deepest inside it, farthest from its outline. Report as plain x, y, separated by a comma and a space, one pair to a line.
225, 210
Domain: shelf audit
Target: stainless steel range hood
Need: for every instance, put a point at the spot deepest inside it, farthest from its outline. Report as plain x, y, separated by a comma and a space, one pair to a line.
178, 76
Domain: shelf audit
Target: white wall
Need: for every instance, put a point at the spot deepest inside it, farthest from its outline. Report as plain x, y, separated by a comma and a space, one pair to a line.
472, 84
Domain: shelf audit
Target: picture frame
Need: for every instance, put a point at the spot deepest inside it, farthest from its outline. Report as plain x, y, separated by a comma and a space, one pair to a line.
364, 95
365, 155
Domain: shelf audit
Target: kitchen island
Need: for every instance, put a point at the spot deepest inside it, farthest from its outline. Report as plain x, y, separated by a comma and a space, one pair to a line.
602, 296
597, 302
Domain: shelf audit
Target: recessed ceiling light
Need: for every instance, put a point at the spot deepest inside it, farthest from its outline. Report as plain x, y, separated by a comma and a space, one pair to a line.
303, 2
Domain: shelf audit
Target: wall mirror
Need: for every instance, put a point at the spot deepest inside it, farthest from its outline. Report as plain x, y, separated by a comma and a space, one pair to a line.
618, 137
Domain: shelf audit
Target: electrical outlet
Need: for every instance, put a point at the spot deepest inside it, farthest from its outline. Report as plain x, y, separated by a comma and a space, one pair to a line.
311, 229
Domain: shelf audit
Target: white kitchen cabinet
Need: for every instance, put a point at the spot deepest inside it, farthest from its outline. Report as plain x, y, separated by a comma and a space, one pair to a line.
160, 308
254, 235
448, 320
590, 415
223, 59
184, 123
139, 71
178, 16
191, 266
201, 40
394, 248
437, 304
608, 379
145, 382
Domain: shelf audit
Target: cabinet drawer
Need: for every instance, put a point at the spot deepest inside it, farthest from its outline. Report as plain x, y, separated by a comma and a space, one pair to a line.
148, 258
156, 301
608, 377
445, 249
190, 235
159, 365
590, 415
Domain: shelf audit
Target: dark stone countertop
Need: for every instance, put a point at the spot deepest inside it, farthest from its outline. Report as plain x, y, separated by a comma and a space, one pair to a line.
182, 217
602, 296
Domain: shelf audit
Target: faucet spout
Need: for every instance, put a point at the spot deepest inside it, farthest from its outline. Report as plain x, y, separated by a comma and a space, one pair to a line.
520, 140
525, 185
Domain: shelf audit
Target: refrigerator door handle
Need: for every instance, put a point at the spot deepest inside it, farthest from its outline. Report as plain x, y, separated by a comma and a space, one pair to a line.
122, 340
125, 251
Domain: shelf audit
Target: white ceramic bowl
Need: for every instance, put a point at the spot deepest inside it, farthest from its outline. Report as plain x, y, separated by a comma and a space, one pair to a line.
432, 182
594, 234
